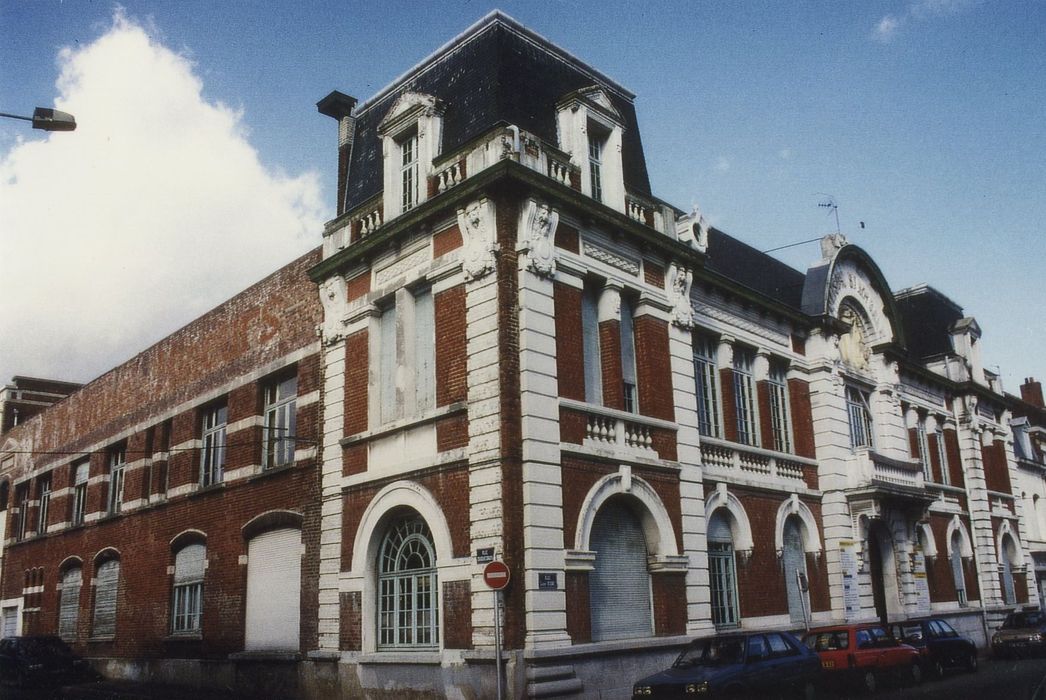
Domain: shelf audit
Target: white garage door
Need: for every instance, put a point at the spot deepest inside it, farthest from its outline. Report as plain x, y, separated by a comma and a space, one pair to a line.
273, 591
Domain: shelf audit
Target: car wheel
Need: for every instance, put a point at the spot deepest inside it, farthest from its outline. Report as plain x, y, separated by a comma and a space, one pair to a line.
971, 662
936, 669
915, 673
869, 682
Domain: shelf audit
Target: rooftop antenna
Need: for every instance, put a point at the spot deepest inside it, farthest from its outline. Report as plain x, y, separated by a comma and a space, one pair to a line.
828, 202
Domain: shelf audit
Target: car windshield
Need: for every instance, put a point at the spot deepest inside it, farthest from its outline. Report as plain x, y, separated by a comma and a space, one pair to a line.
712, 652
827, 641
1023, 619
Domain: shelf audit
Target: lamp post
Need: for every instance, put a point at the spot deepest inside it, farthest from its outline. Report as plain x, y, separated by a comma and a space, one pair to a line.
47, 119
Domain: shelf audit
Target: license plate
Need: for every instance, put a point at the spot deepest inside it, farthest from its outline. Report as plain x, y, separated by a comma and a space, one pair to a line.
827, 664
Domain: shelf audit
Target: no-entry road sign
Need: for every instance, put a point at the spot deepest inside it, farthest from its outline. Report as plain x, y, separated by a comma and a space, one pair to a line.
496, 575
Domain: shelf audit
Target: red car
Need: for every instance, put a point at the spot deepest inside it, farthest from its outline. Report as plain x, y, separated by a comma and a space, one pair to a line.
863, 655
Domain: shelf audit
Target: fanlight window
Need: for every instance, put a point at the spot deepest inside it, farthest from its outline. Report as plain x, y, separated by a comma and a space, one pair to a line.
407, 602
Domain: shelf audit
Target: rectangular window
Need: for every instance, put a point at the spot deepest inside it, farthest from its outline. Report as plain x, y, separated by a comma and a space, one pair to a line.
212, 450
406, 373
409, 172
723, 584
596, 143
117, 463
628, 355
779, 423
81, 471
860, 417
706, 377
280, 422
44, 492
924, 448
23, 512
744, 395
942, 458
590, 343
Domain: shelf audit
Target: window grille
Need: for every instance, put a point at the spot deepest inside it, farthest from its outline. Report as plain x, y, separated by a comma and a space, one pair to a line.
407, 593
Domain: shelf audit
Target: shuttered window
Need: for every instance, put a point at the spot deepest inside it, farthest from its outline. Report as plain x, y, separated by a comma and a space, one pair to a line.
69, 608
957, 575
273, 591
406, 372
10, 622
107, 583
619, 586
187, 596
794, 560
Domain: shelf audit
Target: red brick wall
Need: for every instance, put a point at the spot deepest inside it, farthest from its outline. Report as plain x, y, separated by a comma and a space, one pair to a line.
996, 470
653, 368
951, 448
445, 241
351, 621
570, 355
669, 603
579, 611
357, 353
939, 571
451, 357
653, 274
357, 286
935, 457
726, 388
457, 615
802, 418
610, 364
766, 427
567, 238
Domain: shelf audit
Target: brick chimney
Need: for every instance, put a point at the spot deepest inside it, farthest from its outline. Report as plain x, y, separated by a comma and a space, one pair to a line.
339, 106
1031, 392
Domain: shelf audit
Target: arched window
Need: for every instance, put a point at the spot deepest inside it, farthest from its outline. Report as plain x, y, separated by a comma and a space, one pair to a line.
722, 571
69, 607
107, 584
187, 595
407, 594
793, 559
1008, 559
957, 575
619, 586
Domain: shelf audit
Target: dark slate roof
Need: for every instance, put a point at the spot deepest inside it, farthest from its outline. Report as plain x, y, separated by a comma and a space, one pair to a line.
756, 270
926, 316
496, 73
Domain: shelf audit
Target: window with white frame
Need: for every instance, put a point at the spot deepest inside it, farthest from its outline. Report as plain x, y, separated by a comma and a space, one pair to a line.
942, 457
722, 571
777, 383
23, 511
744, 395
924, 447
81, 471
408, 150
590, 347
597, 139
406, 374
44, 492
117, 464
860, 417
280, 422
212, 447
1008, 561
107, 584
957, 574
407, 587
187, 596
706, 379
628, 355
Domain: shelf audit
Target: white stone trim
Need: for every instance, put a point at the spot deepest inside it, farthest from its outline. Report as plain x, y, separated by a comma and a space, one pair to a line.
966, 550
740, 528
811, 535
657, 525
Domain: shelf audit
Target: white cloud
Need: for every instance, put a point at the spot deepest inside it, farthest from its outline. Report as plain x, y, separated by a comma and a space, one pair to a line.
785, 154
154, 210
886, 28
722, 164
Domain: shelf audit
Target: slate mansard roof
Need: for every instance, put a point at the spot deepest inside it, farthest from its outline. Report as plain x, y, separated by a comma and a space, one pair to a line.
496, 73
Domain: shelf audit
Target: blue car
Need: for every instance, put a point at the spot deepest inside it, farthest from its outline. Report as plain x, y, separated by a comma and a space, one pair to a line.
752, 664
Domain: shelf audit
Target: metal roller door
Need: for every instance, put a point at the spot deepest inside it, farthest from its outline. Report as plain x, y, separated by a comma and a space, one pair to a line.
273, 591
69, 607
794, 559
619, 587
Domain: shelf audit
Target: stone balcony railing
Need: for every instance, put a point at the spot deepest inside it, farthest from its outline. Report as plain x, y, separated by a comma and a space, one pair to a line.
731, 458
609, 430
948, 497
876, 469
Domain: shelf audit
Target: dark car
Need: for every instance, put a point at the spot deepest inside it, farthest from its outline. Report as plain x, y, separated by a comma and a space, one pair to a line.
41, 661
939, 645
863, 655
753, 664
1023, 633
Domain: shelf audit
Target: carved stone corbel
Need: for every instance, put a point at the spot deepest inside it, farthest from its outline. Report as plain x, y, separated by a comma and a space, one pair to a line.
333, 294
537, 231
476, 223
680, 280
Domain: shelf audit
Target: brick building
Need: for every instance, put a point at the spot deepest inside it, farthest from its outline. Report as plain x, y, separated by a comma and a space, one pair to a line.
523, 353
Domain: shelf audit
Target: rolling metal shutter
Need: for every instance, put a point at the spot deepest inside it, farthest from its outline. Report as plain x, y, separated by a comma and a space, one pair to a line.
794, 558
10, 622
273, 591
619, 587
107, 584
69, 608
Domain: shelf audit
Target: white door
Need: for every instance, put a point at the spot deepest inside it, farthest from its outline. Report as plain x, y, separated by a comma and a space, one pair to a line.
273, 591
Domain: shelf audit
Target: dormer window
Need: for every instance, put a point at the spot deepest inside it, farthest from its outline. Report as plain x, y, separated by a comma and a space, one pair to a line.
590, 130
410, 132
597, 140
408, 148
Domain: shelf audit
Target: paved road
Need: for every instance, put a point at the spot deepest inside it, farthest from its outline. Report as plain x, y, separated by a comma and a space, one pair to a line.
996, 680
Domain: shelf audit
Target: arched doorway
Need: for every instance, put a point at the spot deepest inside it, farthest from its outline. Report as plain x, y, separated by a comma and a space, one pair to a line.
619, 585
722, 570
882, 565
793, 560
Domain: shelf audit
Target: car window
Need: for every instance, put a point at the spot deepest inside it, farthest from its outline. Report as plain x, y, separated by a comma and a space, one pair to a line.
1023, 619
946, 629
779, 646
864, 639
908, 632
879, 634
757, 649
711, 652
827, 641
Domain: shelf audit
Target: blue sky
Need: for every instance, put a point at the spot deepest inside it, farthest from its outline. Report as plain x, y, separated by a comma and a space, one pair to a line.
925, 119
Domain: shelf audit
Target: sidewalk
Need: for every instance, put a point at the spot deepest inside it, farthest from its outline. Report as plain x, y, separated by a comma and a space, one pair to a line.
133, 690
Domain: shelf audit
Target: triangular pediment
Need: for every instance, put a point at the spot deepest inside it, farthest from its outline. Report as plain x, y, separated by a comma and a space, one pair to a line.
408, 107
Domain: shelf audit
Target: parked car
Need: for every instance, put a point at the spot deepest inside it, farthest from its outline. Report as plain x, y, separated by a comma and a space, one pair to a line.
939, 645
41, 661
863, 656
1023, 633
753, 664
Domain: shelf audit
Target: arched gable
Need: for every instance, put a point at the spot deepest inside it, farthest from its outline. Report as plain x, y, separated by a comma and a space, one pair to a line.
657, 525
1006, 530
395, 496
810, 532
966, 544
739, 525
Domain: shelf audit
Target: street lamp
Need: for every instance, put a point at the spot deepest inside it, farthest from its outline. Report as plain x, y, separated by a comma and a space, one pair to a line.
47, 119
